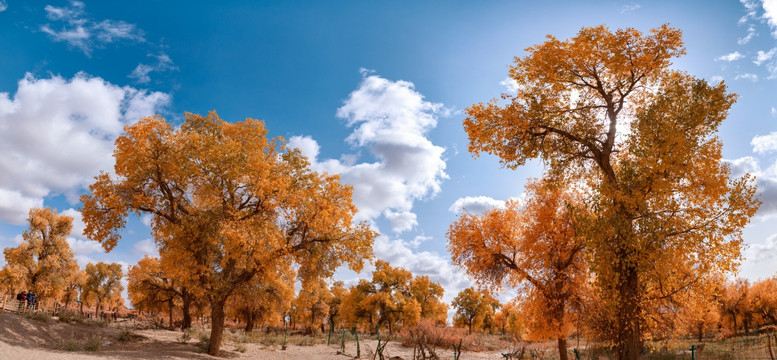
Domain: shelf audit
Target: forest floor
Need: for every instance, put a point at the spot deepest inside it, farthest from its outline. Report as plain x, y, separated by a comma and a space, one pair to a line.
44, 337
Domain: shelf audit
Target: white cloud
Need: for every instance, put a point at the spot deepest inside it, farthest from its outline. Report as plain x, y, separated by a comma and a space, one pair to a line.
766, 180
3, 5
765, 251
750, 34
84, 247
630, 7
146, 219
79, 31
475, 204
145, 247
748, 76
716, 79
15, 206
78, 222
401, 220
774, 112
764, 56
57, 134
510, 85
142, 71
770, 14
765, 143
731, 57
391, 120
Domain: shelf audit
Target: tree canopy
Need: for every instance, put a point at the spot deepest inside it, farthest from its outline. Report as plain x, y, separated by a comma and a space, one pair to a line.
225, 202
604, 109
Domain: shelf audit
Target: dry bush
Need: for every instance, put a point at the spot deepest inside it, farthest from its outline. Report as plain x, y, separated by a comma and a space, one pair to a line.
426, 336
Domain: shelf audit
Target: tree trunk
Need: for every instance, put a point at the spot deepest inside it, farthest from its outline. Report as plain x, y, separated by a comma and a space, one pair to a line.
170, 311
187, 316
629, 344
217, 324
249, 322
562, 348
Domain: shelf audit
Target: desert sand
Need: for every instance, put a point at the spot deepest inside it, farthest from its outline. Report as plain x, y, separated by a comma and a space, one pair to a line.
25, 338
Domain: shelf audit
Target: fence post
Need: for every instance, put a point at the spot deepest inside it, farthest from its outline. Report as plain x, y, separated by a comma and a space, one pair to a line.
693, 352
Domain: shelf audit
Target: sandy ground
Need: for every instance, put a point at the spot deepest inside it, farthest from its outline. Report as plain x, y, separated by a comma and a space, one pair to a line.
25, 338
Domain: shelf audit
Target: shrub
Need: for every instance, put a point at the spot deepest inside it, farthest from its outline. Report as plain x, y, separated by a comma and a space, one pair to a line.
241, 348
204, 343
71, 345
92, 344
39, 316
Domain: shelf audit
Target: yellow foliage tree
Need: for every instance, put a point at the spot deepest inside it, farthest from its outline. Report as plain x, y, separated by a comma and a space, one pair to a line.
391, 300
604, 109
312, 304
103, 284
473, 309
226, 203
428, 294
536, 248
265, 299
43, 262
151, 289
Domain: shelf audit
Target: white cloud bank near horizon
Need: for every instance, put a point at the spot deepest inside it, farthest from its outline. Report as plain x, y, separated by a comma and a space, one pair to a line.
56, 134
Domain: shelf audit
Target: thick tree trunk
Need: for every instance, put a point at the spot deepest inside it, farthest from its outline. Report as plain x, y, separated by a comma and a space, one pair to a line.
562, 348
629, 343
217, 324
187, 315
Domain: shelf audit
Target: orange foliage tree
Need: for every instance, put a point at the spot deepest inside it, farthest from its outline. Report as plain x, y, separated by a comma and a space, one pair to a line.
151, 289
429, 294
312, 304
225, 202
390, 300
264, 299
43, 262
103, 284
473, 309
603, 108
535, 247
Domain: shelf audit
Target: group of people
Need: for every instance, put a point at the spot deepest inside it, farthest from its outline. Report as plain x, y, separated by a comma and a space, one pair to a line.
30, 298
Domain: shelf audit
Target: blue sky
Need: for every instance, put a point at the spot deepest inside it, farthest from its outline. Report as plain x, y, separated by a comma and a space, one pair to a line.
373, 90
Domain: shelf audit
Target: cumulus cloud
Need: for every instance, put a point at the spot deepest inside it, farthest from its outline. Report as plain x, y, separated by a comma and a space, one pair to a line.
766, 180
764, 143
78, 222
162, 63
84, 247
731, 57
78, 31
391, 120
764, 251
476, 204
57, 134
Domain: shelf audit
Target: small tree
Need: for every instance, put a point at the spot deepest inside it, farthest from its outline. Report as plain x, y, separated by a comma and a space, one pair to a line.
43, 262
473, 308
103, 283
